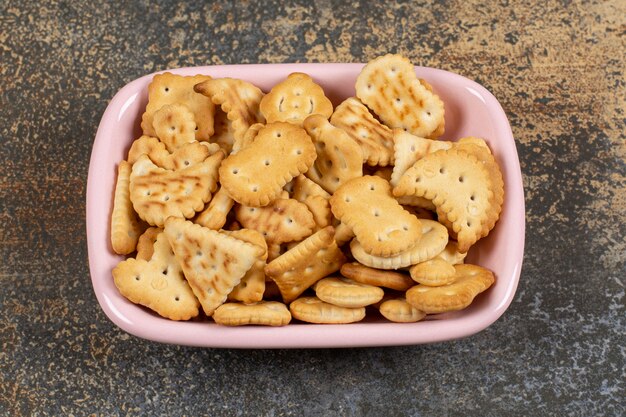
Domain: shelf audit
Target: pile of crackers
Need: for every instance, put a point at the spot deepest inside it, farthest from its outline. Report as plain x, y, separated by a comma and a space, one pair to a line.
243, 207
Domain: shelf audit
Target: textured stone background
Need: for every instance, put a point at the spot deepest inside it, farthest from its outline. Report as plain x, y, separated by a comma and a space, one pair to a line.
557, 68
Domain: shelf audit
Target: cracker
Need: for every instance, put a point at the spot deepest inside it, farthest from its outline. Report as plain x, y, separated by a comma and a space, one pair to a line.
185, 156
303, 187
213, 263
157, 283
168, 88
214, 216
470, 280
256, 175
320, 209
284, 220
237, 98
343, 234
247, 137
398, 310
339, 157
451, 253
434, 272
158, 193
125, 228
264, 313
461, 188
388, 85
344, 292
145, 244
379, 223
302, 266
374, 138
252, 286
433, 241
314, 310
379, 278
294, 99
174, 125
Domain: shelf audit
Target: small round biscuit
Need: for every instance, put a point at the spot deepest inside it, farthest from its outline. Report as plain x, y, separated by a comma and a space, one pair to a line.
344, 292
314, 310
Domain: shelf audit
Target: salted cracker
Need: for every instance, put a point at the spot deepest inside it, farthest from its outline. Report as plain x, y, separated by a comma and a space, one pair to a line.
339, 157
344, 292
174, 125
389, 86
380, 278
256, 175
145, 244
378, 221
314, 310
213, 263
434, 272
157, 283
125, 227
252, 286
183, 157
469, 281
398, 310
168, 88
294, 99
214, 216
373, 137
263, 313
158, 193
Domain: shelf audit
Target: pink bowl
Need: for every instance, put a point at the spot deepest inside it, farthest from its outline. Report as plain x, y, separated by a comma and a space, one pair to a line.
471, 110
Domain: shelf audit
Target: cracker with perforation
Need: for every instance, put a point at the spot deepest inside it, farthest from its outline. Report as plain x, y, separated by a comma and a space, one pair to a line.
174, 125
145, 244
433, 241
185, 156
339, 157
252, 286
157, 283
214, 216
389, 86
373, 137
158, 193
461, 187
168, 88
213, 263
294, 99
378, 221
125, 227
469, 281
239, 99
256, 175
283, 220
398, 310
302, 266
264, 313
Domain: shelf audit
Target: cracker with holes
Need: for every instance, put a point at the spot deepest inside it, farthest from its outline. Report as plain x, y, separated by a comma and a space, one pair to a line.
465, 191
263, 313
284, 220
302, 266
185, 156
255, 176
168, 88
214, 216
159, 193
344, 292
388, 85
213, 263
469, 281
174, 125
239, 99
339, 157
433, 241
373, 137
377, 277
157, 283
252, 286
294, 99
379, 223
314, 310
125, 227
398, 310
434, 272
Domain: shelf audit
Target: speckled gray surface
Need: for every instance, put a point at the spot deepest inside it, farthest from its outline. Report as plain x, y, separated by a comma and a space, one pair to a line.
557, 69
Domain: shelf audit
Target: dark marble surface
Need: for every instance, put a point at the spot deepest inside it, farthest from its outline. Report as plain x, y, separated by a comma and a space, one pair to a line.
557, 68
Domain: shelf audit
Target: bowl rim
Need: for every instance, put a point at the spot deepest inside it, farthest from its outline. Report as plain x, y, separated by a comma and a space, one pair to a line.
299, 335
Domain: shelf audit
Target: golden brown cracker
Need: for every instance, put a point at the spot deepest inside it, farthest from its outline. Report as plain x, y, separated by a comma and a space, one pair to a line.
314, 310
214, 216
174, 125
434, 272
145, 244
294, 99
125, 227
398, 310
168, 88
344, 292
264, 313
252, 286
379, 278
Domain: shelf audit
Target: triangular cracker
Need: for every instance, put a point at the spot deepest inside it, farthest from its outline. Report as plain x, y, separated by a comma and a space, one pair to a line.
213, 263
